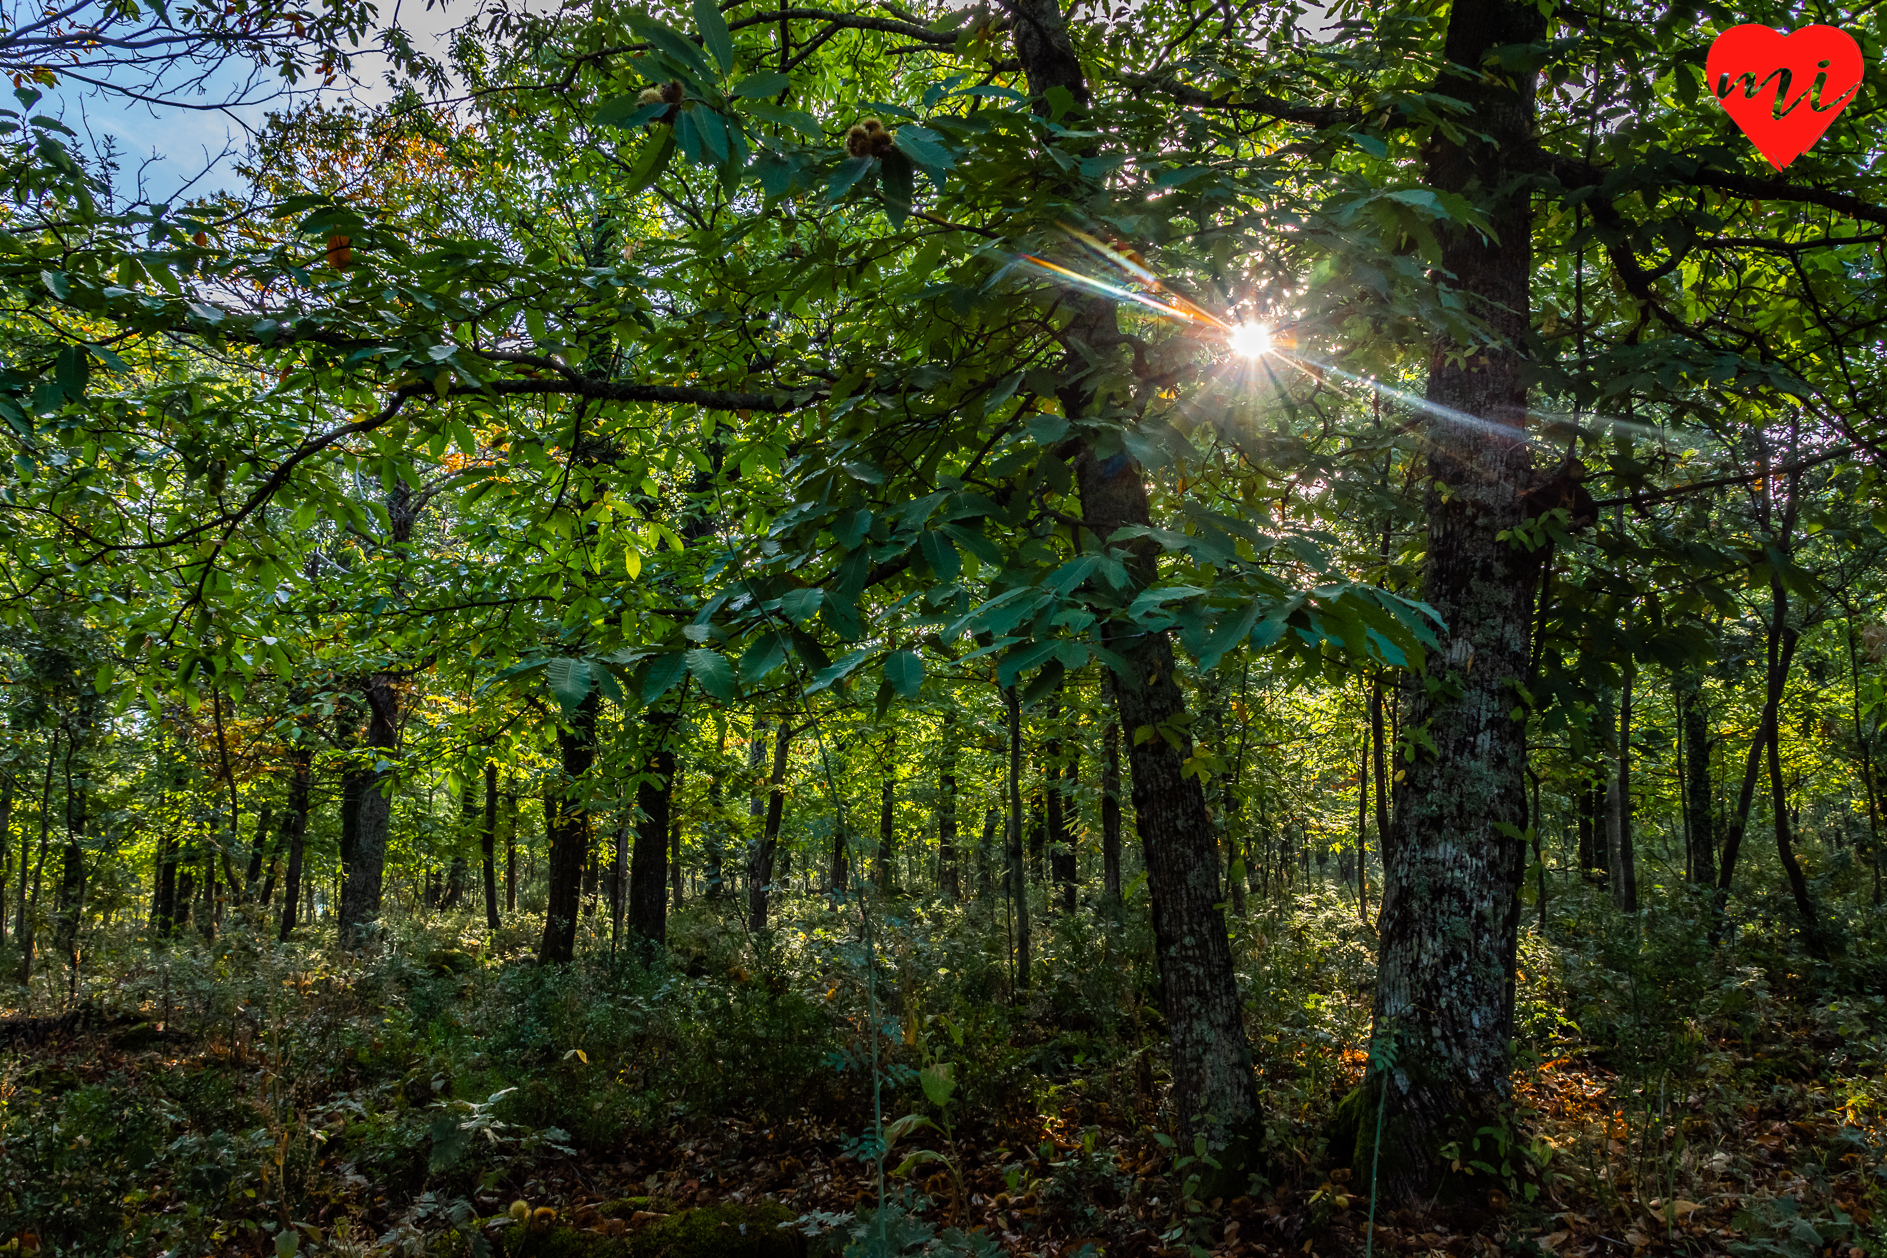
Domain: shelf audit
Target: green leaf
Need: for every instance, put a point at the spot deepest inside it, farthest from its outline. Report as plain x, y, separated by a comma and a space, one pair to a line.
679, 47
712, 670
73, 370
925, 147
714, 32
798, 119
896, 184
652, 160
767, 653
939, 1080
287, 1241
765, 83
940, 554
801, 606
665, 671
570, 681
627, 111
905, 671
849, 172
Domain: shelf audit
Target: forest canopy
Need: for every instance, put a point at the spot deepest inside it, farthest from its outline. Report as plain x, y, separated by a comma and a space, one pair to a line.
1169, 629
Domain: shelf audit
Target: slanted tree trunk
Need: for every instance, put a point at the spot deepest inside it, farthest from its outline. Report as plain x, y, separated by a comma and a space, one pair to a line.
1059, 774
1213, 1090
1450, 911
295, 833
948, 874
567, 826
760, 863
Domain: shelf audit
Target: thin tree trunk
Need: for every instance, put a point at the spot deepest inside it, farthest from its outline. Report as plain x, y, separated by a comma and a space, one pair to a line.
71, 901
511, 852
760, 865
29, 885
986, 854
948, 877
488, 847
674, 838
1700, 817
257, 852
1865, 749
887, 830
295, 832
1362, 830
1110, 814
1018, 877
1622, 862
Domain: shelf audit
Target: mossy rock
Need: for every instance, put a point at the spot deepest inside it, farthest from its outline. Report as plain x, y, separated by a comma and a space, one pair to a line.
726, 1231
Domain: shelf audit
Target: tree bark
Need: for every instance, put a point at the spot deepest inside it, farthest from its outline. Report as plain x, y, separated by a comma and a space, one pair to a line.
488, 847
1018, 879
1450, 910
648, 863
1700, 817
373, 813
887, 829
1621, 854
567, 830
295, 834
948, 876
1110, 815
257, 852
760, 865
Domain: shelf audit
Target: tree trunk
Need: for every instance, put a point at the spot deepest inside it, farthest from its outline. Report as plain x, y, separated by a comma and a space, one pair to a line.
1621, 856
1213, 1089
760, 864
1450, 912
567, 830
887, 829
648, 863
373, 813
488, 847
674, 839
1700, 830
1061, 847
295, 834
71, 896
511, 852
1018, 881
1110, 816
948, 875
986, 855
257, 852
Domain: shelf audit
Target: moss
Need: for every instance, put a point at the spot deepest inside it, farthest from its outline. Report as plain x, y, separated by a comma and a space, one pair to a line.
726, 1231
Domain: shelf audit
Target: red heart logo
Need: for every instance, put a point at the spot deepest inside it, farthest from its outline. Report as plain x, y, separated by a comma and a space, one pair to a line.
1783, 90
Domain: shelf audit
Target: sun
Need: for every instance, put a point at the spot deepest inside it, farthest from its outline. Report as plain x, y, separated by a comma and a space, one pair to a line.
1249, 340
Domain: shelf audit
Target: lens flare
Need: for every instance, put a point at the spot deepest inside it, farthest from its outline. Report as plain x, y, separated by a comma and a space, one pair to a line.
1249, 340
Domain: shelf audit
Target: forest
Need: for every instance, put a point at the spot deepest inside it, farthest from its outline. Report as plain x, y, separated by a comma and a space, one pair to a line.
1187, 629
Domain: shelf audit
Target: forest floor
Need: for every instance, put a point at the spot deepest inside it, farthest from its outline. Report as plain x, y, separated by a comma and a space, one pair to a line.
358, 1119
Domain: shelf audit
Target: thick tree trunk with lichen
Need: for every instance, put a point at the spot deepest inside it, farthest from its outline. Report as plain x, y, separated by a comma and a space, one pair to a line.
1450, 910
